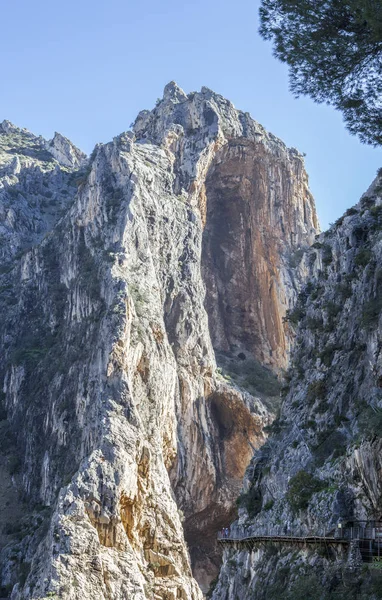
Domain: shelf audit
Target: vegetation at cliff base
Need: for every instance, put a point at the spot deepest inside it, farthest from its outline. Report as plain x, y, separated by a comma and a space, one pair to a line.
249, 374
334, 51
341, 586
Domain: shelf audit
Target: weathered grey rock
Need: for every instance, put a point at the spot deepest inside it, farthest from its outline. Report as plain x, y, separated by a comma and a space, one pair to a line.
65, 152
125, 422
35, 188
8, 128
329, 428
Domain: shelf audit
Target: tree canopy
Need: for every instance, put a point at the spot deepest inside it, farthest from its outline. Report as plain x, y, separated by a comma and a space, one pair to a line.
334, 51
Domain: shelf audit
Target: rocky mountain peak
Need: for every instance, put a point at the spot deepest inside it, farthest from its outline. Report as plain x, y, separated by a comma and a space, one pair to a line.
174, 93
143, 297
37, 183
65, 152
7, 127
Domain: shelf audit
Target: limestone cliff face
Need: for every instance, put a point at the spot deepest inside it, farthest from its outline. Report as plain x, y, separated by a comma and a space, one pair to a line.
116, 423
256, 209
322, 463
260, 214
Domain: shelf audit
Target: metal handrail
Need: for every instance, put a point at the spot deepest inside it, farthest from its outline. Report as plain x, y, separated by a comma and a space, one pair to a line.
341, 532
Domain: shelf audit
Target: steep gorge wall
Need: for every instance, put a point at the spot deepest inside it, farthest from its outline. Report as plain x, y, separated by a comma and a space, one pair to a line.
322, 463
259, 214
111, 389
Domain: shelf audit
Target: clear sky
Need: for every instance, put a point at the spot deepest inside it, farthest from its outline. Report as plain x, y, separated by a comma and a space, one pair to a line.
85, 68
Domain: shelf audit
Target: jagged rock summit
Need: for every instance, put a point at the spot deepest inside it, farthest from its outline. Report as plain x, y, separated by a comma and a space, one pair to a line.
37, 182
143, 293
222, 155
65, 152
7, 127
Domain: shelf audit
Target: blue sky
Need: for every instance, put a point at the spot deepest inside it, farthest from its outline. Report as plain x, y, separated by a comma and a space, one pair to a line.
86, 68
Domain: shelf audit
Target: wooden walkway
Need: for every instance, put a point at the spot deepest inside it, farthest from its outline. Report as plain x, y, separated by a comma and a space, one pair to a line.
284, 539
368, 540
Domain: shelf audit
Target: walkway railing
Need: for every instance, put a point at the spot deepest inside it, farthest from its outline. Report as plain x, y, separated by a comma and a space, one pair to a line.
237, 534
237, 537
345, 532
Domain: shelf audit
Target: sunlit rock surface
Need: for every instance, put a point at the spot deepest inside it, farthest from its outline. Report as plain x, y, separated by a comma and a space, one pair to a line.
175, 244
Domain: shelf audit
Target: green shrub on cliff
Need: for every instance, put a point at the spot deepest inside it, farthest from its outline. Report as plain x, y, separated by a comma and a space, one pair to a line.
370, 422
251, 500
370, 313
363, 257
316, 390
247, 372
301, 488
294, 315
342, 586
327, 255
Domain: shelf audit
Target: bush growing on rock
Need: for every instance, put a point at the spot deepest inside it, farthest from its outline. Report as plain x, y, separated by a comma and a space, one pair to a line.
301, 488
294, 315
370, 422
249, 374
329, 444
363, 257
370, 313
251, 500
327, 255
268, 505
316, 390
366, 587
327, 355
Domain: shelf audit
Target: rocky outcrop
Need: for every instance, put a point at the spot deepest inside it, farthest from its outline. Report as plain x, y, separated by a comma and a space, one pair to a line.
65, 152
111, 388
256, 209
322, 463
35, 189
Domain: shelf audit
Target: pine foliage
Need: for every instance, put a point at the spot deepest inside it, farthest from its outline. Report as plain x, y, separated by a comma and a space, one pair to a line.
334, 51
